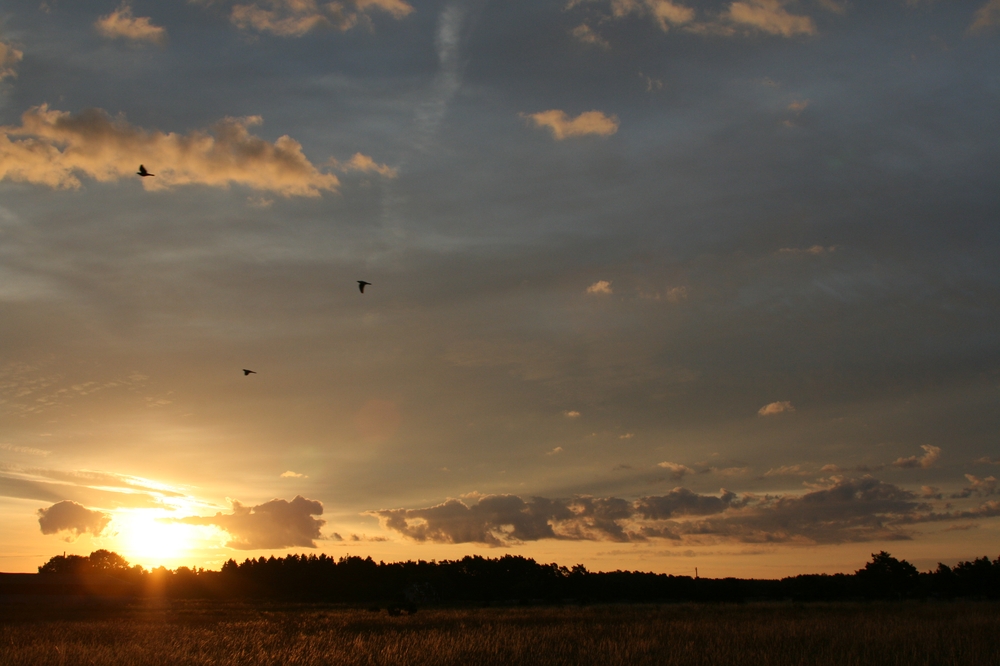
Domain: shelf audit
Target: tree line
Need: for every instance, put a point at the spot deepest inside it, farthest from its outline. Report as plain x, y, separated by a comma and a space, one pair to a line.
507, 579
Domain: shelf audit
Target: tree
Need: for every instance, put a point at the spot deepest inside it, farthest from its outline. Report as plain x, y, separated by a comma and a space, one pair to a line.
885, 577
105, 561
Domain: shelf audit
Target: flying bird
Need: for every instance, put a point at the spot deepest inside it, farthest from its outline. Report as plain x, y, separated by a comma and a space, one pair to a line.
142, 172
362, 284
249, 372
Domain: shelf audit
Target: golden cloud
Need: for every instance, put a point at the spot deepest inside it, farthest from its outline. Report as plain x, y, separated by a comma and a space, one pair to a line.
9, 56
600, 287
773, 408
294, 18
121, 24
771, 17
585, 34
562, 126
664, 12
54, 148
365, 164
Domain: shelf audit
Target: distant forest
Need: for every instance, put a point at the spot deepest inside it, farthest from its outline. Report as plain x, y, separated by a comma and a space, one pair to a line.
479, 580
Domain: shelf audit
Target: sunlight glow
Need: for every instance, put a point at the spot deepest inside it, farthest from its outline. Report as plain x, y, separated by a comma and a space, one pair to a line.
143, 538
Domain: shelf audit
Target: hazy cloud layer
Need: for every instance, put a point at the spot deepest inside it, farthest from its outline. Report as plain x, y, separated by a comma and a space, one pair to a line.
844, 510
53, 148
74, 518
564, 127
274, 524
121, 24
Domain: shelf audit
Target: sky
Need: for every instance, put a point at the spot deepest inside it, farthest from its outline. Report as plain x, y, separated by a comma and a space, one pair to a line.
655, 284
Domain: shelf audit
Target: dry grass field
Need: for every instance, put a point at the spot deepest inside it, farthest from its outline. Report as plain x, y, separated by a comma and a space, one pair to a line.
173, 633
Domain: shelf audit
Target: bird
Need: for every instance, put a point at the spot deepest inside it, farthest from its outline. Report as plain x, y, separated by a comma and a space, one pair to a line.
142, 172
248, 372
362, 284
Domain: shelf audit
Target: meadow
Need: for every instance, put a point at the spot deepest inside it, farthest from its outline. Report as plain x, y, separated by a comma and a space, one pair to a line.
222, 633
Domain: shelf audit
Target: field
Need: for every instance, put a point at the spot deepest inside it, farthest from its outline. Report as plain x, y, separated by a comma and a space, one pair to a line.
171, 633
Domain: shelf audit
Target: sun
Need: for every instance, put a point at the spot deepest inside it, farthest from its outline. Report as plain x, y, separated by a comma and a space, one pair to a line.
145, 538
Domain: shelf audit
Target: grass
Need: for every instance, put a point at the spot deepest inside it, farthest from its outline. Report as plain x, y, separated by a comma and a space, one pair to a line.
220, 634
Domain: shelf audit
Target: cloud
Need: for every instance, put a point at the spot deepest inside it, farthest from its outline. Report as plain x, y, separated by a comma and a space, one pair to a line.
364, 164
986, 17
9, 57
815, 250
67, 516
571, 414
120, 24
293, 475
798, 106
931, 455
294, 18
555, 451
773, 408
786, 470
664, 12
769, 16
585, 34
600, 287
845, 510
53, 148
677, 471
24, 449
274, 524
978, 487
562, 126
986, 460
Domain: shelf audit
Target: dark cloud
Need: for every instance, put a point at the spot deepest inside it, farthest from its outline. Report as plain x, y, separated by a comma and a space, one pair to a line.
67, 516
274, 524
847, 510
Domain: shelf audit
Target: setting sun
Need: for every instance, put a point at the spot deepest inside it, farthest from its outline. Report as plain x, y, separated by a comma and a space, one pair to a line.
146, 537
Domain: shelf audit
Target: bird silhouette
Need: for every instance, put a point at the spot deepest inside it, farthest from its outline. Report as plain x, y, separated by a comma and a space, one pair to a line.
142, 172
249, 372
362, 284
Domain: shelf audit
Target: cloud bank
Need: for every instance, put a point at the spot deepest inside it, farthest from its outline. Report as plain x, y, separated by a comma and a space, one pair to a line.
67, 516
53, 148
845, 510
274, 524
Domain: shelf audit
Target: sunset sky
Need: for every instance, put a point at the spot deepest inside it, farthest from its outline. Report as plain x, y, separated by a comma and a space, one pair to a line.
656, 284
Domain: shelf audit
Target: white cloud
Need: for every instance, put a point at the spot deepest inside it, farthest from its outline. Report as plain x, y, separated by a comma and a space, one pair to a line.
564, 127
67, 516
54, 148
121, 24
600, 287
773, 408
